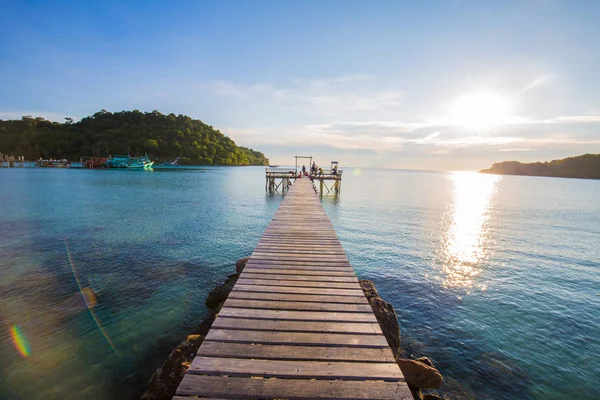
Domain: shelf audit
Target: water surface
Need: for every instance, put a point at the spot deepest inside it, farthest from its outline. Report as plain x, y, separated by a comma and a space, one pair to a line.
495, 278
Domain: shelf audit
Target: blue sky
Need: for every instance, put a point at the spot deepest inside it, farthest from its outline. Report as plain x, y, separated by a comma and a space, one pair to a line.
448, 85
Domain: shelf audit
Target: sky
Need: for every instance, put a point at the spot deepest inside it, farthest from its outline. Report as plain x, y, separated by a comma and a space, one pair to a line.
436, 85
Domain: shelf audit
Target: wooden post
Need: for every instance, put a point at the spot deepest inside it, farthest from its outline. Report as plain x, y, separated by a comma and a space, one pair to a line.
321, 185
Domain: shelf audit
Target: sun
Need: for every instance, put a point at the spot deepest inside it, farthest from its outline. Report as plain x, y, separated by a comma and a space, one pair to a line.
480, 110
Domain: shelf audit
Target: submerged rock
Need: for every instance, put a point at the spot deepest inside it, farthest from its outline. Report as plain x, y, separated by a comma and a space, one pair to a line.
241, 264
419, 375
432, 396
385, 314
166, 379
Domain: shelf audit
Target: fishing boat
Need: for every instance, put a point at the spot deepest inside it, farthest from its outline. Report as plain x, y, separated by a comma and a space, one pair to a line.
53, 163
129, 162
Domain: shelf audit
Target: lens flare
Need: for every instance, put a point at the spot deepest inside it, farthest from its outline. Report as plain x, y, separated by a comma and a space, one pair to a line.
20, 341
89, 298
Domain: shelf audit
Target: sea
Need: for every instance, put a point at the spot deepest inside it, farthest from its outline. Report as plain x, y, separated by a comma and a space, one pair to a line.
103, 272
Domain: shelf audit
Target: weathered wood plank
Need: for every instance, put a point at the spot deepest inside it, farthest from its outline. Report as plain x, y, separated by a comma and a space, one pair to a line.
297, 315
298, 257
307, 353
291, 389
314, 278
295, 283
302, 256
289, 289
295, 369
298, 338
298, 297
358, 328
272, 269
297, 263
308, 250
234, 301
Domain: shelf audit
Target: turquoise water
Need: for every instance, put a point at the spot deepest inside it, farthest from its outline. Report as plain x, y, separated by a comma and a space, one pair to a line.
495, 278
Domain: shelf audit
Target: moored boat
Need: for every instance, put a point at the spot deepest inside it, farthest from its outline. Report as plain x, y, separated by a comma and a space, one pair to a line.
53, 163
121, 161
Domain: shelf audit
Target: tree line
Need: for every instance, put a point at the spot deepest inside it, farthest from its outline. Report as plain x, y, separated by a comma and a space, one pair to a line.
163, 137
585, 166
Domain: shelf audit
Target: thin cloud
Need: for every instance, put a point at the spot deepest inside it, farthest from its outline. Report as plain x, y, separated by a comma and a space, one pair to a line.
541, 81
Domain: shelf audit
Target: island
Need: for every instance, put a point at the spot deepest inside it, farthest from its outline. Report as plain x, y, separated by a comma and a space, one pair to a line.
586, 166
162, 137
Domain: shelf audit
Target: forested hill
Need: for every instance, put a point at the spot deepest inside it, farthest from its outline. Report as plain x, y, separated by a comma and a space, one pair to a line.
163, 137
585, 166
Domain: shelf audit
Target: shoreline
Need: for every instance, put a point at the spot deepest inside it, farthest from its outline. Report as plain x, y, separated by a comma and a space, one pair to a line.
420, 373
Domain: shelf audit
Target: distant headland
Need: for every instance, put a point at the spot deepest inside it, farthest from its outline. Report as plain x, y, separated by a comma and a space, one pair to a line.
163, 137
586, 166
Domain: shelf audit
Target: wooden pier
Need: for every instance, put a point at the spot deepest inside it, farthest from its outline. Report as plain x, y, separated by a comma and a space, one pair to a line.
296, 324
281, 179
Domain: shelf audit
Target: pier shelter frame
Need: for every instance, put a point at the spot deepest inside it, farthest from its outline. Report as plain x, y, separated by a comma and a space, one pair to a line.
276, 178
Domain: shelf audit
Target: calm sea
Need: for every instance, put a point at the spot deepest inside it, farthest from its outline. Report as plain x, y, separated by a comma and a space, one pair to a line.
497, 279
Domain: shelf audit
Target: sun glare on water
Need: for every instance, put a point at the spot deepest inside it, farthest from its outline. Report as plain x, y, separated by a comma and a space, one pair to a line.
467, 234
480, 111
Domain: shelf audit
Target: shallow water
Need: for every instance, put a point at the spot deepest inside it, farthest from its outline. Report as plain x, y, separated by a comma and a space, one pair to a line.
494, 278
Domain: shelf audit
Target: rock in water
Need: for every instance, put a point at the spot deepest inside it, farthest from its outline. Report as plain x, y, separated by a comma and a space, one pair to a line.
432, 396
166, 379
369, 289
219, 294
426, 361
385, 314
241, 264
419, 375
388, 321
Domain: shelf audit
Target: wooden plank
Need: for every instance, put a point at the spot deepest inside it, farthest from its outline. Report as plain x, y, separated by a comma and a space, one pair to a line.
288, 289
233, 301
298, 269
298, 297
295, 369
314, 278
313, 248
297, 315
283, 352
358, 328
291, 389
295, 283
299, 240
295, 254
304, 250
300, 263
296, 263
297, 338
273, 269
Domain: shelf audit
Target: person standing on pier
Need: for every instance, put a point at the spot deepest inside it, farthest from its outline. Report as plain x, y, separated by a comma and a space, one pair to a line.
313, 168
303, 170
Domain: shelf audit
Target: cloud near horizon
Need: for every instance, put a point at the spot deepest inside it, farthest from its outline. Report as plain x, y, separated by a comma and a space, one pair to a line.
351, 117
361, 113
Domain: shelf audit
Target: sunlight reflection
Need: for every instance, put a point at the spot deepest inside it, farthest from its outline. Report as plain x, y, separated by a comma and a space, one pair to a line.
466, 235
